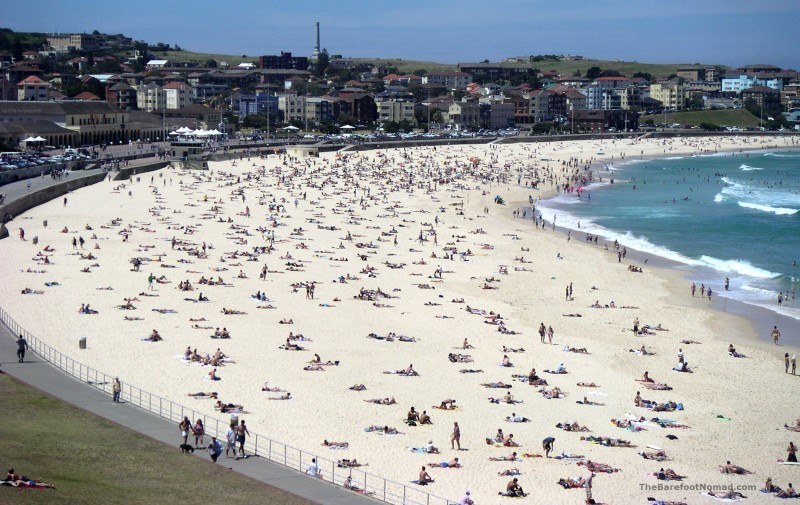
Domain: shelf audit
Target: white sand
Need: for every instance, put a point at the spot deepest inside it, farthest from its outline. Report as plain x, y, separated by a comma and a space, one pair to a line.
750, 391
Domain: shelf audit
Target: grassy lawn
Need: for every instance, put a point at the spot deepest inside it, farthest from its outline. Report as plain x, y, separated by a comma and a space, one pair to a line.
93, 461
727, 117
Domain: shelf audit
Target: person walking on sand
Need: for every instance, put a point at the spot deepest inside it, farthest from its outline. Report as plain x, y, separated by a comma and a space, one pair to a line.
786, 362
455, 438
776, 335
22, 344
694, 288
588, 485
22, 234
794, 364
117, 389
150, 279
792, 450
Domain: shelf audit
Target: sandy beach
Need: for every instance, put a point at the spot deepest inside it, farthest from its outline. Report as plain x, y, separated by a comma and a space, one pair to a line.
411, 242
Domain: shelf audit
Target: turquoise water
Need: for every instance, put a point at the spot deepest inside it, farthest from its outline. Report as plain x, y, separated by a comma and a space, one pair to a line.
718, 215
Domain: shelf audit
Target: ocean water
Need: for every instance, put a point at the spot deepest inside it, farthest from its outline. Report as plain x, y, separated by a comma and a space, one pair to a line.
716, 215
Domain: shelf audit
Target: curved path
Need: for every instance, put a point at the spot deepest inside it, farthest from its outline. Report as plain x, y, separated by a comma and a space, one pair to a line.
40, 374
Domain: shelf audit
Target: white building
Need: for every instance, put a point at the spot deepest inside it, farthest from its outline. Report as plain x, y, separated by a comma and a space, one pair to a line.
293, 107
177, 95
743, 82
451, 80
150, 98
395, 110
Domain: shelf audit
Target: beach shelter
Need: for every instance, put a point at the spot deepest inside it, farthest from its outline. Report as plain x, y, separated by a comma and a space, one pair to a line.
183, 130
348, 127
291, 128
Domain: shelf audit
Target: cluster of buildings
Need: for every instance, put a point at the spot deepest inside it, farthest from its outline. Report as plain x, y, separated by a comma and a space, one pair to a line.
137, 105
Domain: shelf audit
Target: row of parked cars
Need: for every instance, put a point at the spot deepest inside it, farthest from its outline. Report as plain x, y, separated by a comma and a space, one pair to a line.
14, 160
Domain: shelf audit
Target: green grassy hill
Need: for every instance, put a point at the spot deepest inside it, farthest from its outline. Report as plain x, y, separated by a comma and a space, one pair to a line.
565, 68
727, 117
92, 461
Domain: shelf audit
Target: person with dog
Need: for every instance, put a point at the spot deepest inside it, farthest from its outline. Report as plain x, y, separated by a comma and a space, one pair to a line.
241, 432
185, 426
214, 449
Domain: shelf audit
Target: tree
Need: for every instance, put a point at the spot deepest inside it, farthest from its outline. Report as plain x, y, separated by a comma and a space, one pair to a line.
610, 73
322, 63
644, 75
593, 73
420, 72
212, 63
346, 119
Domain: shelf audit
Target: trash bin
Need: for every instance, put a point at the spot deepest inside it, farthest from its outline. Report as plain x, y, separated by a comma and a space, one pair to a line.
35, 240
82, 343
45, 223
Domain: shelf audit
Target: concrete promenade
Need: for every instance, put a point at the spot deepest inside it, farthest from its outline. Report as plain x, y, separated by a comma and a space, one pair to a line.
41, 375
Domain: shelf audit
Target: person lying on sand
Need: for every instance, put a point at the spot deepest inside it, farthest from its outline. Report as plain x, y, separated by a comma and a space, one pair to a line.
573, 426
586, 401
154, 337
512, 457
510, 472
335, 445
358, 387
668, 474
460, 358
382, 401
608, 441
551, 394
659, 455
572, 482
514, 418
350, 463
455, 463
560, 369
598, 467
588, 385
496, 385
728, 468
285, 396
212, 395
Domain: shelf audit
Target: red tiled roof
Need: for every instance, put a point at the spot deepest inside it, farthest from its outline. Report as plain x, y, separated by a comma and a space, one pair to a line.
31, 79
86, 96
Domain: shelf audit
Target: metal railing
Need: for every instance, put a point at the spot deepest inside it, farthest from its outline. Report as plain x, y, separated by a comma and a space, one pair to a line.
354, 479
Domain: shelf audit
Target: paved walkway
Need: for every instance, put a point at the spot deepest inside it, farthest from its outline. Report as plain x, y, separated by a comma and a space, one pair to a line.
41, 375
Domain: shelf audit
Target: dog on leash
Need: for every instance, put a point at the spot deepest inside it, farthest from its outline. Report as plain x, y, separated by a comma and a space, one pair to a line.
186, 448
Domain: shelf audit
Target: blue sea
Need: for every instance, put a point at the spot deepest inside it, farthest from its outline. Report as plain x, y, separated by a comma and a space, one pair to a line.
734, 215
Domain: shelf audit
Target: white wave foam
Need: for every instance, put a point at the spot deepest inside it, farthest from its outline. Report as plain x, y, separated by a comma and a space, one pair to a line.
737, 267
747, 168
719, 197
779, 211
566, 220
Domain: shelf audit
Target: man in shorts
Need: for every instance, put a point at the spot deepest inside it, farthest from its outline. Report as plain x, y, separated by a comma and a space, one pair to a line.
241, 432
230, 437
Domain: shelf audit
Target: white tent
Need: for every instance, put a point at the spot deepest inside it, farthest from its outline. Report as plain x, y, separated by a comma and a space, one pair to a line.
291, 127
39, 139
215, 132
183, 129
29, 139
174, 133
348, 127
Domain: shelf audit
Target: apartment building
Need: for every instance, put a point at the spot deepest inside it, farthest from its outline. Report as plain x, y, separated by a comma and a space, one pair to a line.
177, 95
150, 97
671, 95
